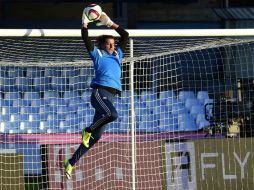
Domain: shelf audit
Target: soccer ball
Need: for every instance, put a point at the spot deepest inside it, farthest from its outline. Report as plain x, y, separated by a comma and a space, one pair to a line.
93, 12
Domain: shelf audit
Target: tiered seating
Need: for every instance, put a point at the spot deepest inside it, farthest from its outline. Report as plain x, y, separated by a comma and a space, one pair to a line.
50, 99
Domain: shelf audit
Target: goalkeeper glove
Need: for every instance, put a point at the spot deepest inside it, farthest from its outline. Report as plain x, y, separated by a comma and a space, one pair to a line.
105, 20
85, 20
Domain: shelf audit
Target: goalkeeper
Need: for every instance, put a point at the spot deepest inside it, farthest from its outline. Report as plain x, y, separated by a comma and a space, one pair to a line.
106, 84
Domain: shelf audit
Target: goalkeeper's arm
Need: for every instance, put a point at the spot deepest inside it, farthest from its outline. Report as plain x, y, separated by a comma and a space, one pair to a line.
124, 35
88, 43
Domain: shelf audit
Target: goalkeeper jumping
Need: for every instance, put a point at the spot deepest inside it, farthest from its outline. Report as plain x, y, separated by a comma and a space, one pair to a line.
106, 84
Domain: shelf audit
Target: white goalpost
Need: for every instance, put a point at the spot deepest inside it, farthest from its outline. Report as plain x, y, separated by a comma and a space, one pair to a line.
185, 113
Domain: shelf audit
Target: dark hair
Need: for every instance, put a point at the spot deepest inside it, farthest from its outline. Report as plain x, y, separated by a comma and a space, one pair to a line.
101, 40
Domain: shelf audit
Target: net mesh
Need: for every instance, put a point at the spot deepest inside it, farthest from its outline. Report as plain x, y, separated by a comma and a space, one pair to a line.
193, 115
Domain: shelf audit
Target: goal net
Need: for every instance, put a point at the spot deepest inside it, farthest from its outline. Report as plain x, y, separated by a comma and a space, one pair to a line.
185, 113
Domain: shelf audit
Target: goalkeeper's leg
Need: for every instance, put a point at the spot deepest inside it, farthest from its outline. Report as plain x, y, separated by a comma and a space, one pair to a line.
105, 113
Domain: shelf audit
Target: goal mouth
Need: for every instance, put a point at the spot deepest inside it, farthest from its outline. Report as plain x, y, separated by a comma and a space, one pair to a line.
184, 115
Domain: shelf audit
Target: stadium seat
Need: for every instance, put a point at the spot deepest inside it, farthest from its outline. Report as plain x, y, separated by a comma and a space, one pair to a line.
78, 83
73, 119
31, 95
18, 117
202, 95
38, 103
147, 124
183, 95
50, 95
45, 111
29, 110
34, 117
20, 103
62, 111
4, 117
141, 110
24, 84
165, 95
42, 83
168, 122
86, 96
68, 72
12, 96
197, 109
71, 95
32, 72
9, 110
59, 84
13, 72
59, 102
86, 71
186, 123
148, 96
201, 121
189, 102
52, 72
7, 84
178, 108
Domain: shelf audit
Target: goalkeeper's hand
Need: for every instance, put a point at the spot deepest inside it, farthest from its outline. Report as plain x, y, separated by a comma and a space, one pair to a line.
105, 20
85, 20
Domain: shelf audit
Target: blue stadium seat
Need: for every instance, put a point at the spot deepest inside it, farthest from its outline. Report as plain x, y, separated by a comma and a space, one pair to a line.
60, 84
62, 111
21, 103
86, 96
75, 103
50, 95
18, 117
73, 119
78, 83
7, 84
38, 103
68, 72
165, 95
23, 84
147, 124
86, 71
45, 111
10, 127
202, 95
148, 96
141, 110
53, 120
201, 121
183, 95
197, 109
10, 110
13, 72
32, 72
34, 117
4, 102
178, 108
168, 122
4, 117
71, 95
12, 95
189, 102
59, 102
186, 123
52, 72
42, 83
29, 110
31, 95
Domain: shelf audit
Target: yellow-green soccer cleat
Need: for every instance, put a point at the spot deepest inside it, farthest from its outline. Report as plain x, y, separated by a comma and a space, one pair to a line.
86, 138
67, 169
